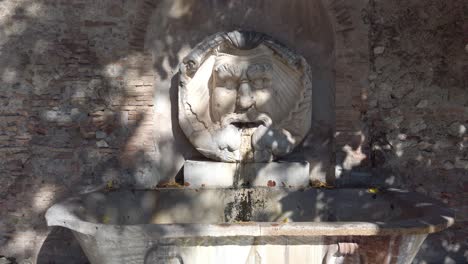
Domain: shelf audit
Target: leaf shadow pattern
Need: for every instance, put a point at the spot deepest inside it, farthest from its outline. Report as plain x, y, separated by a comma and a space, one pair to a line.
57, 149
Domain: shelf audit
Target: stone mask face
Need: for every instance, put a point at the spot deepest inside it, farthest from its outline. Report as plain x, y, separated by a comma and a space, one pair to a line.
244, 105
243, 84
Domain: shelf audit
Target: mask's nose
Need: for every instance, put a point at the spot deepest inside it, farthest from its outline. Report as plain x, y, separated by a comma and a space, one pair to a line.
245, 97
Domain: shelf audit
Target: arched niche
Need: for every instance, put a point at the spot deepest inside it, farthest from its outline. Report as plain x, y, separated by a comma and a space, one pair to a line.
173, 28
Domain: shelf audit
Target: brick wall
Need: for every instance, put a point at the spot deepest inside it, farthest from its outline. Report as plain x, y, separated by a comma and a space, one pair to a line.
351, 84
76, 110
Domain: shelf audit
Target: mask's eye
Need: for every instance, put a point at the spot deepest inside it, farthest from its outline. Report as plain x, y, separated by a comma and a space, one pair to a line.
257, 84
266, 83
229, 84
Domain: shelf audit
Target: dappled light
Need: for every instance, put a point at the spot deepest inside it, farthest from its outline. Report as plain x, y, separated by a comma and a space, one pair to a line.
89, 108
269, 216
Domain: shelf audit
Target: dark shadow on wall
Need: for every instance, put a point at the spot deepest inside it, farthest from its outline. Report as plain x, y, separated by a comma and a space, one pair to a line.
180, 140
61, 247
59, 84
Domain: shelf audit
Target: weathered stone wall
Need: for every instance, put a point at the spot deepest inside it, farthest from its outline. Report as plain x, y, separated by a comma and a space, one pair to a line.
83, 86
75, 111
417, 111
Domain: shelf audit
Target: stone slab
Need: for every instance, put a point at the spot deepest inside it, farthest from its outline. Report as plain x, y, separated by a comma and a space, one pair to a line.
210, 174
278, 174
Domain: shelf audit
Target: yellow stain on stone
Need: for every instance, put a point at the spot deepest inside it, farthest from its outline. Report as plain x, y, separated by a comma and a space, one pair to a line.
105, 219
110, 185
320, 184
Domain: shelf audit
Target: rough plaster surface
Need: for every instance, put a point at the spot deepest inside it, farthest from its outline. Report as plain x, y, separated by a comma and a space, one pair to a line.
84, 85
417, 109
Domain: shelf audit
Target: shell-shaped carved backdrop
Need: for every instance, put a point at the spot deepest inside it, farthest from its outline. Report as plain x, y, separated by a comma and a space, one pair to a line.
244, 97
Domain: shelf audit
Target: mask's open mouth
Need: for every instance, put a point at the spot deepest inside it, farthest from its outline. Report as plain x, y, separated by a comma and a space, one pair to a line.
242, 125
249, 119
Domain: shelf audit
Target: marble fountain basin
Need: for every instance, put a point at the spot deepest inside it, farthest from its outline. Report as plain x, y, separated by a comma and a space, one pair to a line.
261, 225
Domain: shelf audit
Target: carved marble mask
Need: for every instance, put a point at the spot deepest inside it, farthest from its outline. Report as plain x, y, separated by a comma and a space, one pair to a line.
244, 98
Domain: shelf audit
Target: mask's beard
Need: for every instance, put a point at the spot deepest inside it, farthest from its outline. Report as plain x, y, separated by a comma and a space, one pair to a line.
250, 137
238, 139
237, 130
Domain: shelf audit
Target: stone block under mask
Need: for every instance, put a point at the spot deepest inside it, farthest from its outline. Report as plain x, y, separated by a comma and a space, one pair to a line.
211, 174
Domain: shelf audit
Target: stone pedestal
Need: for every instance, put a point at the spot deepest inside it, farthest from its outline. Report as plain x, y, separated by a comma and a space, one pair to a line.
212, 174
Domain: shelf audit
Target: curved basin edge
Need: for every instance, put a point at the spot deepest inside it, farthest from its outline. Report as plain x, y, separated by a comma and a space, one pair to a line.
60, 215
435, 218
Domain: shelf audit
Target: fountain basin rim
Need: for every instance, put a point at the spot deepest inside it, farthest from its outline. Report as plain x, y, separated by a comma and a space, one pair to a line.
435, 218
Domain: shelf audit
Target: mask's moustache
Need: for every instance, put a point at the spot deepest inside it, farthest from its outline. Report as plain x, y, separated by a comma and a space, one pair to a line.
247, 119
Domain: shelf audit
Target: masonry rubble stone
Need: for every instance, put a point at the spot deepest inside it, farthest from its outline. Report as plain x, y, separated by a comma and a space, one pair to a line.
379, 50
417, 125
102, 144
100, 134
461, 163
448, 165
457, 129
422, 104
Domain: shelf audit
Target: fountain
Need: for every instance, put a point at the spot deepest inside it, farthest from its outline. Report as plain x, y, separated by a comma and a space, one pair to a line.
245, 103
